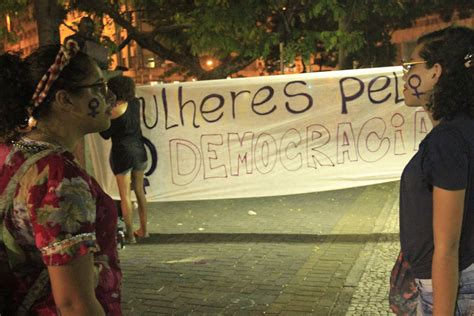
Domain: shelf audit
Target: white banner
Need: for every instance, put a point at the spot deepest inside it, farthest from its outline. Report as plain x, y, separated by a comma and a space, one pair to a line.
276, 135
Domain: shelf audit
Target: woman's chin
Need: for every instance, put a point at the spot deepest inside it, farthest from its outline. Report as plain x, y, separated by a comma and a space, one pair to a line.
106, 125
412, 103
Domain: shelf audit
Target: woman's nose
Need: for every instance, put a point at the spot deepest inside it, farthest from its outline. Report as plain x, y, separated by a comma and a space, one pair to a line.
404, 77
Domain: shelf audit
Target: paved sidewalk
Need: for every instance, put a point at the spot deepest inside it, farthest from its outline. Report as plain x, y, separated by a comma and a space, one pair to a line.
376, 260
326, 253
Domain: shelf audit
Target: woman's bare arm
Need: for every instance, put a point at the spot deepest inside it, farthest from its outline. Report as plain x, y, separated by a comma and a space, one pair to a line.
73, 287
448, 209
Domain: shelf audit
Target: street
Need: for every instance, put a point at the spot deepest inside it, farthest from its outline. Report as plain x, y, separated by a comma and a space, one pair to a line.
327, 253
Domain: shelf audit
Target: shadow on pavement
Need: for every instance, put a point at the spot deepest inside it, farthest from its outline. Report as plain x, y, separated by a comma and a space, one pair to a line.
274, 238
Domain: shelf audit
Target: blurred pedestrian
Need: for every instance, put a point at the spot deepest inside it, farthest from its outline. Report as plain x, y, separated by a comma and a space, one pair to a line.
436, 190
58, 253
85, 32
89, 42
128, 158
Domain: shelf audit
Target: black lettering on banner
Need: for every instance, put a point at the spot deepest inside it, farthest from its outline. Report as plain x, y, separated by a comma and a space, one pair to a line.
347, 98
153, 157
397, 93
307, 96
271, 92
370, 89
211, 108
165, 108
234, 96
93, 106
142, 102
182, 105
219, 106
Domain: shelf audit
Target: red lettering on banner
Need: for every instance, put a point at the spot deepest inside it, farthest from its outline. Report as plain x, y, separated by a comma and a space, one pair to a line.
183, 174
265, 153
239, 154
372, 132
346, 143
422, 121
291, 156
397, 122
317, 136
209, 155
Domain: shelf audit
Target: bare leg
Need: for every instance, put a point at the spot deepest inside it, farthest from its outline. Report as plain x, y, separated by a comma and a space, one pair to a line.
137, 182
123, 183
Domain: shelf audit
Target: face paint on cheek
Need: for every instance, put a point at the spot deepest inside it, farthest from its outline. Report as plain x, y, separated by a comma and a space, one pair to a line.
414, 82
93, 106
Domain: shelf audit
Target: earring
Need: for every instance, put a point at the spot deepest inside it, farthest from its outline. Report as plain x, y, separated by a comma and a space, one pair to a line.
469, 60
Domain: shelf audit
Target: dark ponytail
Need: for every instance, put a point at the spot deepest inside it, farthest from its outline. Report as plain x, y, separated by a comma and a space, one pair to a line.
123, 87
15, 95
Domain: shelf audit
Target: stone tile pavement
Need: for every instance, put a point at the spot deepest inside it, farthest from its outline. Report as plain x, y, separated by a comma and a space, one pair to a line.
326, 253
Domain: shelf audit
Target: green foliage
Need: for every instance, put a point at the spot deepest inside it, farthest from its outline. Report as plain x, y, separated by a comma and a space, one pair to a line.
361, 29
12, 6
237, 32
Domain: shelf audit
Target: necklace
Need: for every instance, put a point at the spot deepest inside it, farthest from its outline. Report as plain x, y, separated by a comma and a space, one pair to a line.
29, 145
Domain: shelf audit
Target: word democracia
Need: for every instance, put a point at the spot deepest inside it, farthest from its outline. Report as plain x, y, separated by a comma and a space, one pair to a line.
313, 147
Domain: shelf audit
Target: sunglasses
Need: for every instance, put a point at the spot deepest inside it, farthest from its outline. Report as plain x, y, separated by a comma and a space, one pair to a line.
103, 88
409, 65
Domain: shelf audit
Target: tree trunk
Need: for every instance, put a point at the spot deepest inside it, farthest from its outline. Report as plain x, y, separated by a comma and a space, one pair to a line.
282, 58
49, 16
344, 62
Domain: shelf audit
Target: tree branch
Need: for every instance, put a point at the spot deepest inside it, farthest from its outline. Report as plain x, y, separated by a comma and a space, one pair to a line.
144, 39
124, 43
228, 66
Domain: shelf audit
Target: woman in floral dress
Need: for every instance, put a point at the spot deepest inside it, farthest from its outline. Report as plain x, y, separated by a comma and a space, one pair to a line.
58, 253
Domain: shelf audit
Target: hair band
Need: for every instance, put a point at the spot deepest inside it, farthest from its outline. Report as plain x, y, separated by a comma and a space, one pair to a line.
65, 54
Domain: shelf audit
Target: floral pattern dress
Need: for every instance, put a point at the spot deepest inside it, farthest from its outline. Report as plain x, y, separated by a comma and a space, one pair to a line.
59, 213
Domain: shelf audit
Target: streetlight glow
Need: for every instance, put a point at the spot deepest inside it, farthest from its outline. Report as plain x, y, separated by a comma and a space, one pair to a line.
9, 23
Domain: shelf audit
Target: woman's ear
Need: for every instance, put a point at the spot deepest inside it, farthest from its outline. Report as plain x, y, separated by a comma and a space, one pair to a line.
437, 71
63, 100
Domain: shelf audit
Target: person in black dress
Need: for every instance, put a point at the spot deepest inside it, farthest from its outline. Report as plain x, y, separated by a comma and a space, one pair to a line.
128, 158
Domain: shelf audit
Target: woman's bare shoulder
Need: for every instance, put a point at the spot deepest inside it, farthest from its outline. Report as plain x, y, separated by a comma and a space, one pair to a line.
119, 110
